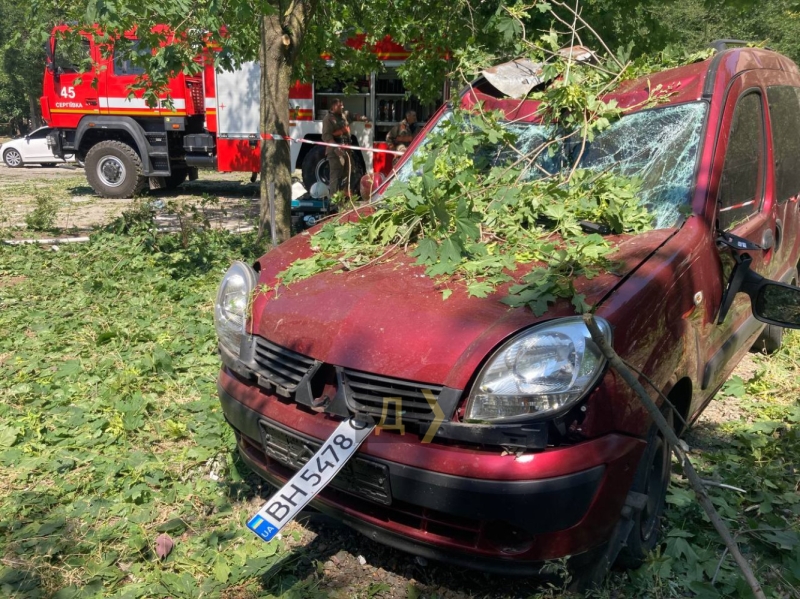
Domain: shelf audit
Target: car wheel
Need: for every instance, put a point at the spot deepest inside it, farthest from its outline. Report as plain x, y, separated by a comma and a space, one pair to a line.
114, 170
769, 341
652, 480
12, 158
315, 168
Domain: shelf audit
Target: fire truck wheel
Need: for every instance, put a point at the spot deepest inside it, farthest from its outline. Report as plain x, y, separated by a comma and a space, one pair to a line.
12, 158
177, 177
114, 170
315, 168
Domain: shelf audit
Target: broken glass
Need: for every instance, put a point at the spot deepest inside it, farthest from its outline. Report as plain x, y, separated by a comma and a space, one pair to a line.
658, 147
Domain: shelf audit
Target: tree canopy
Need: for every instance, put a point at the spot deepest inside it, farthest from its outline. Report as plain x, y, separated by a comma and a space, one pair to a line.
448, 38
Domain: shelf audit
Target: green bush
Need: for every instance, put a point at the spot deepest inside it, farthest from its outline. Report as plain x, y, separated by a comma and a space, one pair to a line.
43, 216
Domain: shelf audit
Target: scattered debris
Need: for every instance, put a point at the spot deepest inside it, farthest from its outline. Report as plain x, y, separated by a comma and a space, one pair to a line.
164, 545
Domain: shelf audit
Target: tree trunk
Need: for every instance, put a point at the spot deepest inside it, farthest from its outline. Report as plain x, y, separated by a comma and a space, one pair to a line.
36, 117
282, 35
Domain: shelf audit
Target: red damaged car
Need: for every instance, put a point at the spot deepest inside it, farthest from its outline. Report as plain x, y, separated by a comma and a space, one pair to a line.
518, 443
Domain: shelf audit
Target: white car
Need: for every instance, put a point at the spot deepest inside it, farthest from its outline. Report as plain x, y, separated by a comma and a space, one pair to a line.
31, 149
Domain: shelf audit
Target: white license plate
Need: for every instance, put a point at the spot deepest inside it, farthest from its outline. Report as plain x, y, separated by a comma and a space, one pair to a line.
284, 505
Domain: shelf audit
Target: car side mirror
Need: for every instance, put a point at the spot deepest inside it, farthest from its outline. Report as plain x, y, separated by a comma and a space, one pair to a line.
772, 302
775, 303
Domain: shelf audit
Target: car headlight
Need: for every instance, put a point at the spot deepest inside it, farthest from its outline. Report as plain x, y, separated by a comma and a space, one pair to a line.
231, 306
541, 371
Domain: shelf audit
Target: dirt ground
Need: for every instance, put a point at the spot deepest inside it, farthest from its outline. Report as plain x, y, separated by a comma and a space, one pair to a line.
227, 199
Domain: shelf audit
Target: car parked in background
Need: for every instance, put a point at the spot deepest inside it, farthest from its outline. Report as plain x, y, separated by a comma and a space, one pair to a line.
31, 149
543, 452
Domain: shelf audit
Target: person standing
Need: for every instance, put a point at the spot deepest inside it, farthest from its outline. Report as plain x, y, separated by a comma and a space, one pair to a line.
336, 130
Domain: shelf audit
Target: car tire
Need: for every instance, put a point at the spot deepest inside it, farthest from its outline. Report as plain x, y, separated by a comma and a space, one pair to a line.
587, 570
315, 168
13, 158
769, 341
114, 170
651, 479
177, 178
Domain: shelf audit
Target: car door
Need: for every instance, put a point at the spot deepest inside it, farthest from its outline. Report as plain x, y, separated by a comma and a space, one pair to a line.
36, 149
745, 207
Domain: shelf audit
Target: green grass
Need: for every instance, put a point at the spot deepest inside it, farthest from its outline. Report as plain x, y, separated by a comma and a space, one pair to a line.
759, 453
110, 425
110, 428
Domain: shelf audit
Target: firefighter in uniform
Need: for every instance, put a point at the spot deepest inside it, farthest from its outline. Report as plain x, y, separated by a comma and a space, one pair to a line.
336, 130
402, 134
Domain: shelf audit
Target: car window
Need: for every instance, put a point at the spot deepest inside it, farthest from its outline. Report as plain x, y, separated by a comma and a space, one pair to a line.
659, 147
72, 54
739, 193
40, 133
784, 114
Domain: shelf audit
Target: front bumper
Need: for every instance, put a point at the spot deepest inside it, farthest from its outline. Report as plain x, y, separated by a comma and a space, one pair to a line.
471, 506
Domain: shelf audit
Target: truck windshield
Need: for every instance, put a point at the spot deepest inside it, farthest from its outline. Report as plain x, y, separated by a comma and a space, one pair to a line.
657, 146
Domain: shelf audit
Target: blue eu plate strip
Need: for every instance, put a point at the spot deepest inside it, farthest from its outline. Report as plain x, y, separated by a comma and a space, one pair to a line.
263, 528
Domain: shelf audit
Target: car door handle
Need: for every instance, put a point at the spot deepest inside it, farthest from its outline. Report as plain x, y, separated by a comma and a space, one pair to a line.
91, 101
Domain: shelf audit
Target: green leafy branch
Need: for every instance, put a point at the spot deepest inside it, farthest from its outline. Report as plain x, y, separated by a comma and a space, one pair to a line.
488, 209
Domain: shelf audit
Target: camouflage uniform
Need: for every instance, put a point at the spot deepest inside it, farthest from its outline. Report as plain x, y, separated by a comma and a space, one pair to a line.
400, 136
336, 130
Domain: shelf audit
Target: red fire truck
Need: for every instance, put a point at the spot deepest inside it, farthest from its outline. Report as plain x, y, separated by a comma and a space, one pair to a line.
210, 120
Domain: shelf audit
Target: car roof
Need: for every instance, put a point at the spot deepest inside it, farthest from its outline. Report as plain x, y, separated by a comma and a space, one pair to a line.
687, 83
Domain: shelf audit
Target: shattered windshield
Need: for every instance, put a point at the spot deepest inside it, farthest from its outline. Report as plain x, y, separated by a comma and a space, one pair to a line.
658, 147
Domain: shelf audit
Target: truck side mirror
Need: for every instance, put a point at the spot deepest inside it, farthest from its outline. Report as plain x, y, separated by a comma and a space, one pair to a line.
49, 58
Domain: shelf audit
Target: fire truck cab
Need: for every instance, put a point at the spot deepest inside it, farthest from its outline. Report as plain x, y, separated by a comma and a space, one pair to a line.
209, 120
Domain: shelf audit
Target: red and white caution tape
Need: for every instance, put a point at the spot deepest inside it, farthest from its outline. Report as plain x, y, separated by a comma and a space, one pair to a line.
737, 206
272, 136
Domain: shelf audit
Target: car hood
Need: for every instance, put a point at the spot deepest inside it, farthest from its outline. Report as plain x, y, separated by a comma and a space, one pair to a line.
391, 319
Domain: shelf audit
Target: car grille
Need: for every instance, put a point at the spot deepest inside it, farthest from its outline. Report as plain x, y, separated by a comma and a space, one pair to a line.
280, 366
368, 394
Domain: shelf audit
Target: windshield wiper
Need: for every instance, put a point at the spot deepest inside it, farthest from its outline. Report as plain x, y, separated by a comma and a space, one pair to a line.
590, 227
586, 225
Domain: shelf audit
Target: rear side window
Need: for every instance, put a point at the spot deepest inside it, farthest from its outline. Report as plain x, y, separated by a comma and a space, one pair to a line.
740, 184
784, 113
